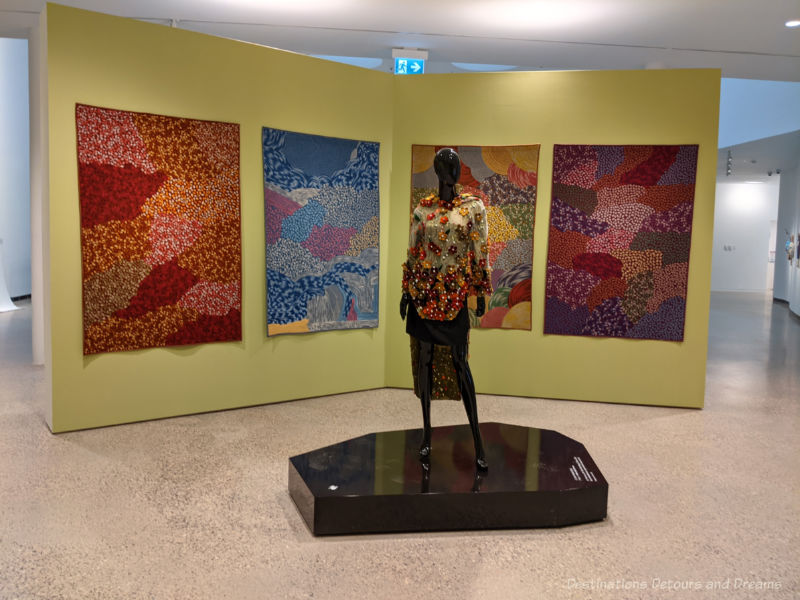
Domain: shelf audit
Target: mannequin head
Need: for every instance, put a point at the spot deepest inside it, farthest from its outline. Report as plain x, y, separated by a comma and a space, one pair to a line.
447, 166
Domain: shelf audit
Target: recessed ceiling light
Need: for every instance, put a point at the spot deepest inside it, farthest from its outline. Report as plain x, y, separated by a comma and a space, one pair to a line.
793, 23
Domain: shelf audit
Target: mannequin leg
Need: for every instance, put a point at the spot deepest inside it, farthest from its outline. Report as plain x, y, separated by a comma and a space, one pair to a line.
467, 388
425, 382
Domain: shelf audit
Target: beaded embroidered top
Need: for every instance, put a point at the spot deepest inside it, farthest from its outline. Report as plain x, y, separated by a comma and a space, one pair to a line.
447, 255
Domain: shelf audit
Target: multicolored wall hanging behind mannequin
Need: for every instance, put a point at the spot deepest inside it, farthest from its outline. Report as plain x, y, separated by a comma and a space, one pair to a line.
321, 206
505, 179
160, 230
620, 233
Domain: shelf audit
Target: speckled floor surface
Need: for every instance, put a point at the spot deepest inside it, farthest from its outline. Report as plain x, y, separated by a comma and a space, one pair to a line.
196, 507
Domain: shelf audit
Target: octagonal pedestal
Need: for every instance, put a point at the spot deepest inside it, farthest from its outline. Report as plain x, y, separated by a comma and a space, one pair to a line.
376, 483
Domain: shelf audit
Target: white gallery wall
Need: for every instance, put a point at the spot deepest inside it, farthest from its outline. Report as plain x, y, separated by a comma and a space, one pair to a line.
786, 221
15, 220
743, 218
787, 274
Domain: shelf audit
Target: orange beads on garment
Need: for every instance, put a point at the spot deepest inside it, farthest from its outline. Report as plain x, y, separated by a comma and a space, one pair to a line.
440, 284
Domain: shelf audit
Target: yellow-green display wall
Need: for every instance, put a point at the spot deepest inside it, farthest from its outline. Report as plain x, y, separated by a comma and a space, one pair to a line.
124, 64
593, 107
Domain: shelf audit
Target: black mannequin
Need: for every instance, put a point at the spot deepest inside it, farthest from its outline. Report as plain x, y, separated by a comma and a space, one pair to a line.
425, 479
448, 169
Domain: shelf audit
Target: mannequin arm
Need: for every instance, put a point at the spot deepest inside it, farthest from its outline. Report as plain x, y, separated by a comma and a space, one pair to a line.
405, 300
480, 310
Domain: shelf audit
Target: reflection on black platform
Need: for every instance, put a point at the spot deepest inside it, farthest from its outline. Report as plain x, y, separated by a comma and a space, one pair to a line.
535, 477
520, 459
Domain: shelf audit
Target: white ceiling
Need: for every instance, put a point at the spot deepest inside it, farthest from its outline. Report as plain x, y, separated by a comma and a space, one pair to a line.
745, 38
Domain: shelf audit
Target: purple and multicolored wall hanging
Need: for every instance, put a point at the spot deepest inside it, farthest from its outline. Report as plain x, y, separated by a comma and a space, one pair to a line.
160, 230
321, 206
505, 178
620, 233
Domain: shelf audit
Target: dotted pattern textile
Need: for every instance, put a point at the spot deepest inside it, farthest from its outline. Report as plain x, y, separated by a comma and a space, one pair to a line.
504, 178
620, 234
160, 230
321, 211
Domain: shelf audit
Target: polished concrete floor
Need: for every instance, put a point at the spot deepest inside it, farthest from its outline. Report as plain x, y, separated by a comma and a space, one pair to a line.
197, 507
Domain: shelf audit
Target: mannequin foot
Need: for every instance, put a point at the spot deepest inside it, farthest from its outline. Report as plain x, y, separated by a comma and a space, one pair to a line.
480, 461
425, 446
425, 450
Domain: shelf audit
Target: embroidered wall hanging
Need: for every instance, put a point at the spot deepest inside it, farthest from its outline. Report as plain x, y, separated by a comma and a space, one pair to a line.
620, 232
160, 230
321, 206
505, 179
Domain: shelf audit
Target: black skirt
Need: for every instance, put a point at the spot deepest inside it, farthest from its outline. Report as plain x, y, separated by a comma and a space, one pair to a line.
441, 333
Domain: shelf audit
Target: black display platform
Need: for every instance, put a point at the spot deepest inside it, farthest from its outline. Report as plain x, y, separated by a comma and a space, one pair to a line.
376, 484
